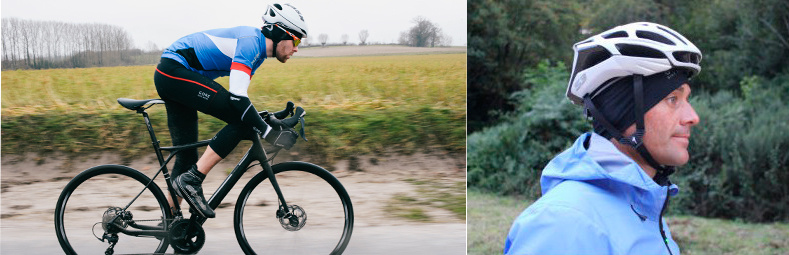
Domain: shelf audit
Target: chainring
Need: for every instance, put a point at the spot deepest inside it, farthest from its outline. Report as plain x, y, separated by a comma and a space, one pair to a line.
186, 237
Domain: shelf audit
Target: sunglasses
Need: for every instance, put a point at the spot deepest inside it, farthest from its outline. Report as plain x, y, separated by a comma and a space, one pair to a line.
296, 40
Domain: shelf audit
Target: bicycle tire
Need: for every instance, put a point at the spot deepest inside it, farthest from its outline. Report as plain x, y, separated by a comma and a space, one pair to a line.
87, 193
303, 184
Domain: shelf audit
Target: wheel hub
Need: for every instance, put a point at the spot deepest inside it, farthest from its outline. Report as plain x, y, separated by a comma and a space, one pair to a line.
113, 220
294, 219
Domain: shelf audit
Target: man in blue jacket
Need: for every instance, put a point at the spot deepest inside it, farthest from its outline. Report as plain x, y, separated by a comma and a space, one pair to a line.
607, 193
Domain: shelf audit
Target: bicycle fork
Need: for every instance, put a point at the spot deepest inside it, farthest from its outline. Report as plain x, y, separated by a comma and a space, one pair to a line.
270, 173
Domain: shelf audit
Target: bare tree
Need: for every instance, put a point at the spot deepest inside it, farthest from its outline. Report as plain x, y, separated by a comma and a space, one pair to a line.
424, 33
363, 36
151, 47
421, 32
323, 38
6, 26
344, 39
403, 39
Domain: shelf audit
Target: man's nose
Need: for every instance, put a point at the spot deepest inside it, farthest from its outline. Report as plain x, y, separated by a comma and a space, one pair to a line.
689, 116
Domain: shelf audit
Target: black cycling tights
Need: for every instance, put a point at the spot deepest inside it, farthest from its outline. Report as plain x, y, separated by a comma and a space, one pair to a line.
185, 92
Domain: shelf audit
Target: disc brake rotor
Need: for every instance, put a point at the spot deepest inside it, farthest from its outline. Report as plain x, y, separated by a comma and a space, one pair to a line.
294, 220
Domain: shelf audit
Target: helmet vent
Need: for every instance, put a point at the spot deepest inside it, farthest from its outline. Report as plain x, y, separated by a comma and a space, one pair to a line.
591, 57
616, 34
278, 6
687, 57
654, 37
272, 13
639, 51
673, 34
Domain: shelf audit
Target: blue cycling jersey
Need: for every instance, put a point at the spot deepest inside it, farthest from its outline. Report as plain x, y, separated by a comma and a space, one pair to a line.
213, 53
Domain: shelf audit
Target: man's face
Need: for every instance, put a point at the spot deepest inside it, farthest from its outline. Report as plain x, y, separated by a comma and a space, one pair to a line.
285, 50
668, 126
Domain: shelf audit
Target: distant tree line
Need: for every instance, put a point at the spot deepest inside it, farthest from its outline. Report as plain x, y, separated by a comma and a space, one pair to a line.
32, 44
51, 44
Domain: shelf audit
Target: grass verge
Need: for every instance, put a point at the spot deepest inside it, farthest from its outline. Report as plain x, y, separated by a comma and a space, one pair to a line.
490, 217
432, 193
489, 220
332, 133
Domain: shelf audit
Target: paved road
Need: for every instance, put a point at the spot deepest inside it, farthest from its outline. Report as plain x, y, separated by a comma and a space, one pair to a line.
29, 196
448, 238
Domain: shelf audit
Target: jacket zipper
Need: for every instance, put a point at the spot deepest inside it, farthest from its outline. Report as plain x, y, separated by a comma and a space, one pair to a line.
660, 222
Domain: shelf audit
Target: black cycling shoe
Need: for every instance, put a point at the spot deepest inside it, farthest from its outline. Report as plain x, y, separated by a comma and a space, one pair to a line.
189, 186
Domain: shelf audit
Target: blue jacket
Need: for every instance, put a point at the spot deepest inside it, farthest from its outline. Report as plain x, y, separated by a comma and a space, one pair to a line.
594, 200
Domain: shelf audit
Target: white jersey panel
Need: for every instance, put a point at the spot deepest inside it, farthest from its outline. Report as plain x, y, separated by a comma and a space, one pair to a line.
239, 83
226, 45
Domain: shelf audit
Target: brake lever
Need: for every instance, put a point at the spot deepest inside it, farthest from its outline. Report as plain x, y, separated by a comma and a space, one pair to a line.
301, 132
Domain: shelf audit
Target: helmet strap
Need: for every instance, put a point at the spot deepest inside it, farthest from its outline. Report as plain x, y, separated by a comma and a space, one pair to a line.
636, 139
274, 50
275, 35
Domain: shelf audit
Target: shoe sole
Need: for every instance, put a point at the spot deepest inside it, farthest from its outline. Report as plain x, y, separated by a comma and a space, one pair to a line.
181, 193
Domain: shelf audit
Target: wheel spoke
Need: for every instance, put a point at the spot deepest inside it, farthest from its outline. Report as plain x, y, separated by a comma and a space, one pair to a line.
319, 218
100, 198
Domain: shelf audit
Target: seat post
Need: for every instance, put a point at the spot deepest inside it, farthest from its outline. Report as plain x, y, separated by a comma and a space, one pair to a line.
154, 141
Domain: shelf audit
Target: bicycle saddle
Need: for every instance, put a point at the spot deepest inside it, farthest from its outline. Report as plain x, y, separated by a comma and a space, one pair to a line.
134, 105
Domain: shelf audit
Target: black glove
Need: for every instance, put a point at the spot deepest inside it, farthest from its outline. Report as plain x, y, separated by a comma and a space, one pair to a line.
281, 135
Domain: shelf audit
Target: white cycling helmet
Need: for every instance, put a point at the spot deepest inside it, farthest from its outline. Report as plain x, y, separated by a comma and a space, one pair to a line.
288, 16
640, 48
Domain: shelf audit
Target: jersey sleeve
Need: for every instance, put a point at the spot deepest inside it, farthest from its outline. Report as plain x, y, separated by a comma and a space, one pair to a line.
247, 53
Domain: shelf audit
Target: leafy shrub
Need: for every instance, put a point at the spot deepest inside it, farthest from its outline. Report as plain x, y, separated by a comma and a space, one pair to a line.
738, 166
505, 37
508, 158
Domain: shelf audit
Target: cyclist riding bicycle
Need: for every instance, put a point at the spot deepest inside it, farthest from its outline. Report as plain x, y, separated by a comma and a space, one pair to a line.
607, 193
185, 81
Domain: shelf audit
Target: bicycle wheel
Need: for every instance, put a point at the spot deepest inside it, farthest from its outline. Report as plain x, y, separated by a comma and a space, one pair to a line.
322, 215
98, 195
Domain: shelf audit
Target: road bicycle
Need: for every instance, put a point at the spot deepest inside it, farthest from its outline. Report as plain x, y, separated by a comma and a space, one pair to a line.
114, 208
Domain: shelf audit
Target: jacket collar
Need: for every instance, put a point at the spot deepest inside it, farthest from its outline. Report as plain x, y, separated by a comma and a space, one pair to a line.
602, 161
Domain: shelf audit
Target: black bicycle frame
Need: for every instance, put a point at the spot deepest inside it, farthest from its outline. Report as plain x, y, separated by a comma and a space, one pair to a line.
255, 153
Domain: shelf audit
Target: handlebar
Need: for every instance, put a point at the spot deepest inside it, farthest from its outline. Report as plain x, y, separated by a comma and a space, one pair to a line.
297, 117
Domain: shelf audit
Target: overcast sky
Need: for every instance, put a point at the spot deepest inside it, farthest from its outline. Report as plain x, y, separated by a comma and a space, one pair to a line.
164, 21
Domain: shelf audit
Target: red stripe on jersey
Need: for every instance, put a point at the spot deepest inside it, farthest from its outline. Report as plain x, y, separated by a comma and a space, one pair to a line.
173, 77
241, 67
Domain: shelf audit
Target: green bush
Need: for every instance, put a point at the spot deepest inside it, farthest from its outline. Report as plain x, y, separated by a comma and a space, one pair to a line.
508, 158
738, 166
506, 36
736, 37
738, 161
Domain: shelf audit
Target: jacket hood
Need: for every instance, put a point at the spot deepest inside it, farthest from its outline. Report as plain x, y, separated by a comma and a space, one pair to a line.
601, 161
